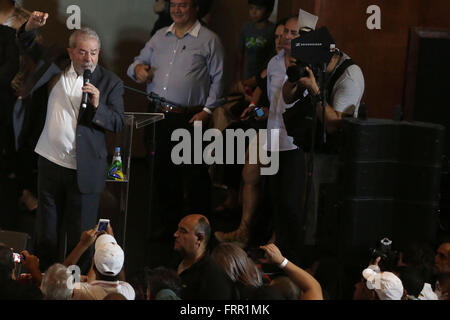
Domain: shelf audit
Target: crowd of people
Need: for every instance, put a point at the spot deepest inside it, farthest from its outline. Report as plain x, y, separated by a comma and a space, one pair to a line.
62, 132
226, 272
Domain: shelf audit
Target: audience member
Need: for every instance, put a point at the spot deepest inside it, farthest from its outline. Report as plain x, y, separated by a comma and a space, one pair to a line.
239, 268
413, 283
420, 257
385, 284
138, 280
202, 278
10, 288
249, 173
256, 38
87, 239
163, 284
310, 287
380, 280
55, 283
442, 267
31, 264
104, 275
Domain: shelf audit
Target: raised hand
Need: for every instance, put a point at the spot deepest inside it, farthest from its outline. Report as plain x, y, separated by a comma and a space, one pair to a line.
273, 254
88, 237
37, 20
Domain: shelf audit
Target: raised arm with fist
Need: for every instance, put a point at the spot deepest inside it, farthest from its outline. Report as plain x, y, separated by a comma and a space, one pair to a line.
37, 19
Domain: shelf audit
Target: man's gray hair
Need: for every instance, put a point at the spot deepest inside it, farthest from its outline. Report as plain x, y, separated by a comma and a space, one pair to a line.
54, 284
83, 32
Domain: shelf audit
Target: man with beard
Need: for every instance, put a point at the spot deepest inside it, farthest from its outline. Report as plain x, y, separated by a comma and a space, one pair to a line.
71, 146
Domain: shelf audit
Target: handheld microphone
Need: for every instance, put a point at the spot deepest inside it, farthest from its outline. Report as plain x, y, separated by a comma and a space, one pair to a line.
87, 75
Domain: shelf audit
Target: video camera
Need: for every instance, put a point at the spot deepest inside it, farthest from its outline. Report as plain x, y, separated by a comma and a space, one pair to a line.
311, 49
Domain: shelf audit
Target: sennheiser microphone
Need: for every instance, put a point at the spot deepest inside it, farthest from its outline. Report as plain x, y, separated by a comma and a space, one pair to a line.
86, 79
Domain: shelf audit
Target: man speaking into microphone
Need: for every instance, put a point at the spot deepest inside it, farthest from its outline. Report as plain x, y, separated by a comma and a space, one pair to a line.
71, 146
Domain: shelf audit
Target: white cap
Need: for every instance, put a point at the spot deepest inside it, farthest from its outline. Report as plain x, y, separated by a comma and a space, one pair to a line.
386, 284
307, 20
108, 256
104, 239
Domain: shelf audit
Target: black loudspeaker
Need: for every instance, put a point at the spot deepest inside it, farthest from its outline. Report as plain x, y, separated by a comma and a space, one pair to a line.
428, 101
390, 182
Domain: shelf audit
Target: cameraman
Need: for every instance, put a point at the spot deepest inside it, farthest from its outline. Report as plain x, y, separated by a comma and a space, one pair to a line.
344, 88
344, 96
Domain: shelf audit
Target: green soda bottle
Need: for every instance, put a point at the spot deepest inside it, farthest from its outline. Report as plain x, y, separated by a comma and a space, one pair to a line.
115, 170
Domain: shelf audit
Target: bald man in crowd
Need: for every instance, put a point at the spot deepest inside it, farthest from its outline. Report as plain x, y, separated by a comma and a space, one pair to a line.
202, 278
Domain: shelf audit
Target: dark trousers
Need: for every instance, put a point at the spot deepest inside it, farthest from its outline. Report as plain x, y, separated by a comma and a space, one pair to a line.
7, 144
178, 190
286, 190
63, 214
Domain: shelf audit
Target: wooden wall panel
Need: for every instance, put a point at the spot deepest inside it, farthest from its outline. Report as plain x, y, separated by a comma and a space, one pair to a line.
380, 53
227, 19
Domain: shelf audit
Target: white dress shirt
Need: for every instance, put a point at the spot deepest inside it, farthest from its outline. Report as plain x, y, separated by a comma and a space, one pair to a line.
276, 77
57, 141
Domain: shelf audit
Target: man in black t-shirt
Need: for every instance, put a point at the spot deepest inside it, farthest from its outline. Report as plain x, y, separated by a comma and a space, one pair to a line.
202, 278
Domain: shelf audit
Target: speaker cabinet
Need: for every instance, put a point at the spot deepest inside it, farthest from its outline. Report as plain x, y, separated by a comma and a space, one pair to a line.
390, 182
